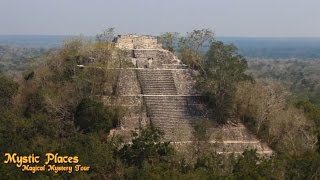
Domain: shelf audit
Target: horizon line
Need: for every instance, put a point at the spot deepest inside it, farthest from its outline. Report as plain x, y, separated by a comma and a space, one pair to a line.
222, 36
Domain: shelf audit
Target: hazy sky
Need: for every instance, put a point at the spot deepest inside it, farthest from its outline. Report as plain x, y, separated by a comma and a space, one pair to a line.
267, 18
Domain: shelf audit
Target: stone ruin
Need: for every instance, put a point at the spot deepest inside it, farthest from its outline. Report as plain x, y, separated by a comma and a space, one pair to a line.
159, 90
136, 42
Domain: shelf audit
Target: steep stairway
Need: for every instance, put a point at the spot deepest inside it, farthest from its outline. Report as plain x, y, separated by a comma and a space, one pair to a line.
168, 111
175, 115
158, 89
157, 82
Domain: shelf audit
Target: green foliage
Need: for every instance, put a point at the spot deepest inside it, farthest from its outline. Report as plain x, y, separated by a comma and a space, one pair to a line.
305, 166
168, 40
214, 165
263, 107
8, 89
190, 47
201, 128
92, 151
311, 110
34, 104
14, 60
250, 166
92, 116
28, 76
106, 36
40, 135
196, 39
146, 147
224, 68
301, 77
72, 56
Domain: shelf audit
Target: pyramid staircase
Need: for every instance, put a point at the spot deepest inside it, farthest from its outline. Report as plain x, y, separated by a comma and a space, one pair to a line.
154, 89
175, 115
168, 111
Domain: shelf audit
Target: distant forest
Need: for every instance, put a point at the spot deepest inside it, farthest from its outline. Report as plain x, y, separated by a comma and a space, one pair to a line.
18, 52
275, 48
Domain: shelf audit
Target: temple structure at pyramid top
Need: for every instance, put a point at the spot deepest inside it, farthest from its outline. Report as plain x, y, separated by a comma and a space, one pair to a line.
132, 41
145, 52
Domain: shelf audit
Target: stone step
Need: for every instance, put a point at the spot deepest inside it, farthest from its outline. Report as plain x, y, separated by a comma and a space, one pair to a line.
172, 98
166, 98
232, 146
150, 91
172, 125
152, 71
181, 115
160, 93
169, 115
157, 89
189, 107
174, 106
189, 121
153, 87
174, 66
159, 86
163, 125
159, 73
233, 134
240, 146
185, 119
169, 109
157, 81
168, 86
156, 76
168, 121
163, 92
170, 105
172, 129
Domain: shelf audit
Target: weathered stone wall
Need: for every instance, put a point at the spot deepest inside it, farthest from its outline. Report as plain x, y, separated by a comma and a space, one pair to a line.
154, 58
145, 52
185, 81
128, 83
129, 91
137, 42
129, 98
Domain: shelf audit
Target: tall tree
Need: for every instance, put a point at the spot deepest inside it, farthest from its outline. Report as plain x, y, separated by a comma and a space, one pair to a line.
146, 147
191, 47
106, 36
168, 40
224, 67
